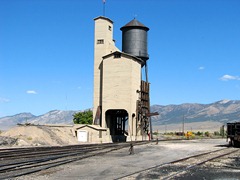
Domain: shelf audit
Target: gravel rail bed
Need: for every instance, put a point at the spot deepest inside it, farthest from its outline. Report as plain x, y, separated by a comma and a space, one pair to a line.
180, 169
21, 162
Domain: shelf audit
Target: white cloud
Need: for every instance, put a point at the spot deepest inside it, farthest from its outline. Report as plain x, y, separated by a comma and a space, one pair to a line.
227, 77
4, 100
31, 92
201, 68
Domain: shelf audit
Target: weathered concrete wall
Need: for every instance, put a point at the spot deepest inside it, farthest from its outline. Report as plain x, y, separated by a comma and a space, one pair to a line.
121, 80
103, 31
116, 79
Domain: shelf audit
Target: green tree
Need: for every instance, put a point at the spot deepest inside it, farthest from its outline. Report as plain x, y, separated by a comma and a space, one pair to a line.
222, 131
199, 133
85, 117
216, 133
207, 134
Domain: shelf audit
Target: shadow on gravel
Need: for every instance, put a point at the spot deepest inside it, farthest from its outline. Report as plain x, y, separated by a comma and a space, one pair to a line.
223, 145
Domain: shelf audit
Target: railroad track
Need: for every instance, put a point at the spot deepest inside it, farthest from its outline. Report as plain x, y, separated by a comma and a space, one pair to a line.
23, 161
173, 169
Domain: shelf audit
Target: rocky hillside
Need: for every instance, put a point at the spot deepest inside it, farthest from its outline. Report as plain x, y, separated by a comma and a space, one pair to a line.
221, 111
10, 121
52, 117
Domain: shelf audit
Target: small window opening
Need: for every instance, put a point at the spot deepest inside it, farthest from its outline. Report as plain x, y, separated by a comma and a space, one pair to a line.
117, 55
109, 28
100, 41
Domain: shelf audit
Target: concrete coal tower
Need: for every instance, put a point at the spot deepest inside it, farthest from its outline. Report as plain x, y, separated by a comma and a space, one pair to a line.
121, 101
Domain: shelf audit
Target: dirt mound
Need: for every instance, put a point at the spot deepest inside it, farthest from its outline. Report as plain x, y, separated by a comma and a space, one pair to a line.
41, 135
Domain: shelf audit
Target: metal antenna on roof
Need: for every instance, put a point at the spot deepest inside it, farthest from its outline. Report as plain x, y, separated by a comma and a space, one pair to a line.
135, 16
104, 2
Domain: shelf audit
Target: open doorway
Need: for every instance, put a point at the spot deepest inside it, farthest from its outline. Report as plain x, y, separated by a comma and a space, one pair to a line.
116, 121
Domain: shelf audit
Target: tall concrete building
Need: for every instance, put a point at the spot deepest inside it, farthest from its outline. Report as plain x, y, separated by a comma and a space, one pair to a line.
103, 45
121, 97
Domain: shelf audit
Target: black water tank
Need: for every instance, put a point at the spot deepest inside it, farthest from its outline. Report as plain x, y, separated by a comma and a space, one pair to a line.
134, 39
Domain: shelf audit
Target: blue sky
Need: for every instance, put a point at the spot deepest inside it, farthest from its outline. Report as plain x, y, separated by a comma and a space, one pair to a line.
46, 51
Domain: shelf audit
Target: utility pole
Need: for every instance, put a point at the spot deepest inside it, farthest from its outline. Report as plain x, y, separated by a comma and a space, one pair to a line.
183, 125
165, 128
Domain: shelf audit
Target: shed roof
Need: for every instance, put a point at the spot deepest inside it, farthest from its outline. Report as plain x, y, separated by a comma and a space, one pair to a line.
96, 127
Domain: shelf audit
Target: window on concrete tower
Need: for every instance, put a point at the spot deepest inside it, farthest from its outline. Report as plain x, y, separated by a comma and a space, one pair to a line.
100, 41
117, 55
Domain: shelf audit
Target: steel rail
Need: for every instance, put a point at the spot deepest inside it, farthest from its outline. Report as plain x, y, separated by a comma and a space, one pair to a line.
11, 156
46, 151
56, 150
46, 163
50, 164
198, 164
168, 163
43, 149
60, 154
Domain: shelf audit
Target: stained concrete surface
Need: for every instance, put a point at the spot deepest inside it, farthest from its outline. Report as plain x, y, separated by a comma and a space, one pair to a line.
119, 164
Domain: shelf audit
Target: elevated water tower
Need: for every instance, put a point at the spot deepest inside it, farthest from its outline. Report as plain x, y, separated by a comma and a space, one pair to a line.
134, 39
135, 43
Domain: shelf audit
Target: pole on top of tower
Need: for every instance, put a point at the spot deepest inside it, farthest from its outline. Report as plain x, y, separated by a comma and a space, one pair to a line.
104, 2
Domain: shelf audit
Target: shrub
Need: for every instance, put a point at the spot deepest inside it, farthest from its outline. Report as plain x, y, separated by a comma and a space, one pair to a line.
29, 138
85, 117
199, 133
207, 134
216, 133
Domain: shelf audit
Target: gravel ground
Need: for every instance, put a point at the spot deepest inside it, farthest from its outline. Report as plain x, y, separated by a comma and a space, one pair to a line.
227, 167
119, 164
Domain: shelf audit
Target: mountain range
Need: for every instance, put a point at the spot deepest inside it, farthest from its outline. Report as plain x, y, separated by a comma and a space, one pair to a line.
52, 117
221, 111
